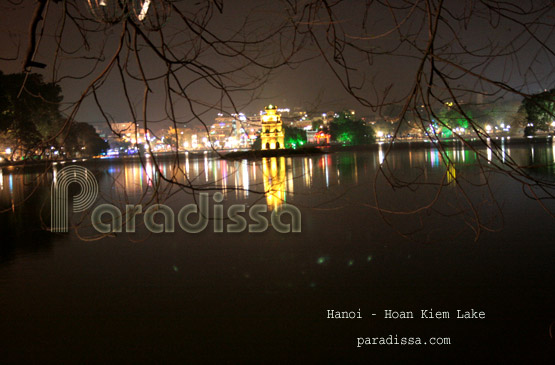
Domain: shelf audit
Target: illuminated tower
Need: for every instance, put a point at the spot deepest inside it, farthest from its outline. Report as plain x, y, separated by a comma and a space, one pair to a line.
272, 129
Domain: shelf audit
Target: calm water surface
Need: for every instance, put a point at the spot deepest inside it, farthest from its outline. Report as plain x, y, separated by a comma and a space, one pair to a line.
446, 238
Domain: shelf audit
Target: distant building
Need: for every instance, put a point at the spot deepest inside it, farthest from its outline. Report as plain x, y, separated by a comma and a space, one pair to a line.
317, 137
131, 132
230, 132
272, 129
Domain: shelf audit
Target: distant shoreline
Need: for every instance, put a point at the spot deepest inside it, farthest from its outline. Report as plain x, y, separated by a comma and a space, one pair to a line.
445, 143
259, 154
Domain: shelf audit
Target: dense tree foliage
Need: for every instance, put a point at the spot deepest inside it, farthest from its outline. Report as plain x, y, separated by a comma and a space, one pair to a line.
82, 140
540, 111
294, 137
31, 122
350, 131
29, 112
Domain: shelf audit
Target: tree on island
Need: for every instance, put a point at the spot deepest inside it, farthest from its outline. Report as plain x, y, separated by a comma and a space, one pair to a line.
294, 137
350, 131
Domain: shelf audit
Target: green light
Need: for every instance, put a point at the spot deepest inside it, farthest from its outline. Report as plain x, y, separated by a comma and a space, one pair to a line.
345, 137
463, 123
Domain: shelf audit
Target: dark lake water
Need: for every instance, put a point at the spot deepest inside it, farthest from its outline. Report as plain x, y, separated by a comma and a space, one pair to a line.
446, 237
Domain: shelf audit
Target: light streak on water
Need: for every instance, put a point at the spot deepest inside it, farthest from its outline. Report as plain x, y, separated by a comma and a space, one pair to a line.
310, 171
289, 169
434, 158
327, 171
305, 172
205, 168
489, 151
532, 152
245, 173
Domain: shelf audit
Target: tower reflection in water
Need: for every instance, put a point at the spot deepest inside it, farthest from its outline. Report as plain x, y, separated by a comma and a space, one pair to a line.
274, 174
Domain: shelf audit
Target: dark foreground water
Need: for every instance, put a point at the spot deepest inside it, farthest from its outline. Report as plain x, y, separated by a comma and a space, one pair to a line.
475, 243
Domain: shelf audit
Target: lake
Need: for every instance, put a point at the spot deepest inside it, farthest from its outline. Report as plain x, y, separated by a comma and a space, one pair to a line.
438, 235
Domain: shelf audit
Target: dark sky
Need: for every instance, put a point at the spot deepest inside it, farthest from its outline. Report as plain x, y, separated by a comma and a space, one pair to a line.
520, 59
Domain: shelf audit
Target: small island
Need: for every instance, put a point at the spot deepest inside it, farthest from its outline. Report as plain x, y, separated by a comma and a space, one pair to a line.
256, 154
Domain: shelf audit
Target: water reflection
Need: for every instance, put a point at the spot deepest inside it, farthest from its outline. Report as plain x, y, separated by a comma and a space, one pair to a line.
381, 156
151, 291
273, 170
451, 173
279, 178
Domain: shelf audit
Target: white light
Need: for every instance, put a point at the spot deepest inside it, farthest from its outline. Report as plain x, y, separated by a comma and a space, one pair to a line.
8, 150
103, 3
144, 10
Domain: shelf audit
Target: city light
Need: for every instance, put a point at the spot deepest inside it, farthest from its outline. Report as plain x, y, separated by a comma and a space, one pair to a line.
144, 10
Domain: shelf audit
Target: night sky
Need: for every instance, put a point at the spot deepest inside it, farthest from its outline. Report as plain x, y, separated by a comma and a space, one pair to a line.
500, 48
